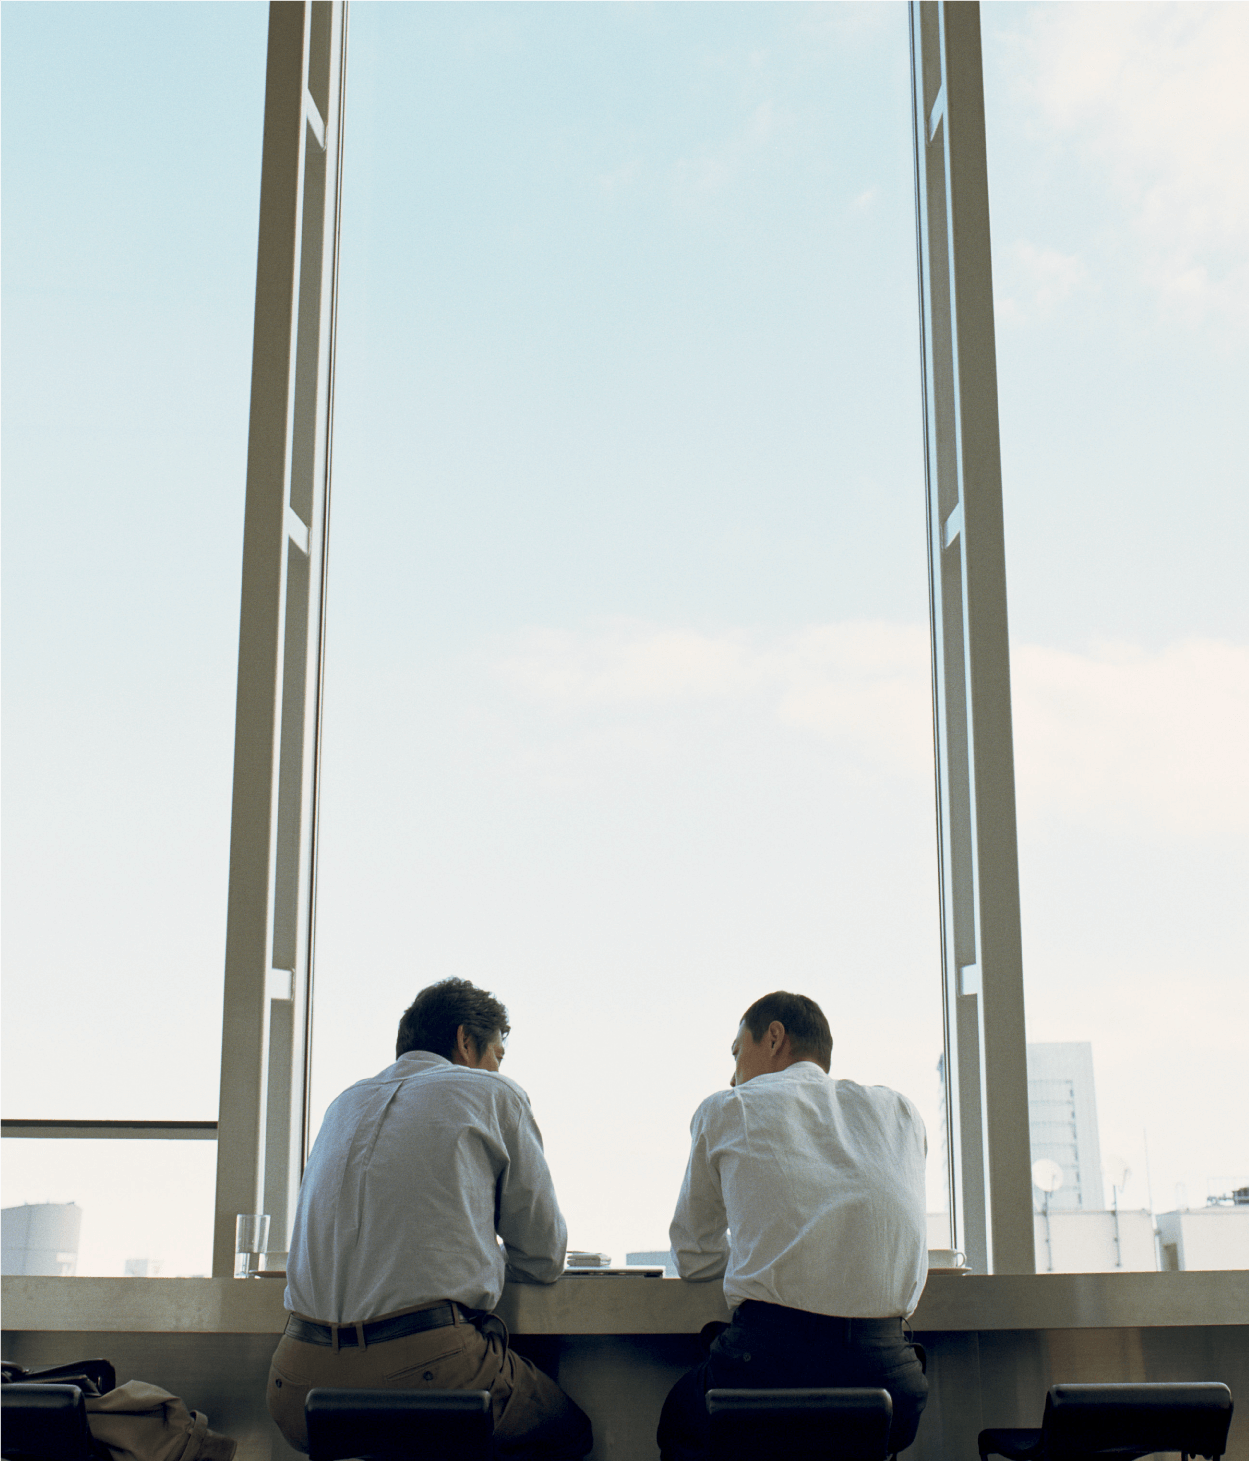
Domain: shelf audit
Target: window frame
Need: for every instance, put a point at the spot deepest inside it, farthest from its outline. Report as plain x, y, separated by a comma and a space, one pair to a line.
271, 913
985, 1065
263, 1135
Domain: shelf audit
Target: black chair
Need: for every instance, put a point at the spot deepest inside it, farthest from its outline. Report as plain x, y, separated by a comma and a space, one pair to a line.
47, 1421
1120, 1423
399, 1425
801, 1425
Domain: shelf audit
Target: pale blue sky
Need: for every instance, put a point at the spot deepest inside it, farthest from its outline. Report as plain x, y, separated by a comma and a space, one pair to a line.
627, 700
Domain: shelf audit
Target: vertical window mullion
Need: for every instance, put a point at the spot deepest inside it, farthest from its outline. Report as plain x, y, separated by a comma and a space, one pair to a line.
267, 1008
982, 971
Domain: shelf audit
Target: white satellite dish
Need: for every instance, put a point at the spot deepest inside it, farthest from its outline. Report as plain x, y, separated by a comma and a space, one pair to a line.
1047, 1174
1115, 1170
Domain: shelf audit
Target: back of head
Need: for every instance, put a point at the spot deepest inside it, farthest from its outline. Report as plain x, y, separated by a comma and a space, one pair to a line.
434, 1017
809, 1035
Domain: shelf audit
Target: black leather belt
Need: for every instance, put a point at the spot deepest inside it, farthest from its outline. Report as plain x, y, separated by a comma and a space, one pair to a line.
758, 1314
376, 1331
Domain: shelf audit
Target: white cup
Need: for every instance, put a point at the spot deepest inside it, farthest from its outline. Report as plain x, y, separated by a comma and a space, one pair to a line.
946, 1258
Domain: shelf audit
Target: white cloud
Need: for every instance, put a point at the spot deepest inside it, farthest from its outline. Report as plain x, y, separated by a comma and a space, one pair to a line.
619, 179
723, 157
1117, 737
494, 32
1120, 736
1153, 98
764, 120
864, 684
829, 29
709, 173
1037, 280
630, 662
716, 167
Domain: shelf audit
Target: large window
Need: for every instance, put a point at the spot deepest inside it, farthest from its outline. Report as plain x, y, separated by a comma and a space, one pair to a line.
1120, 199
131, 171
627, 707
627, 704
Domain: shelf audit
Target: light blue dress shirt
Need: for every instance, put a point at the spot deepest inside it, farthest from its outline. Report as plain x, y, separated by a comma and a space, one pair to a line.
425, 1182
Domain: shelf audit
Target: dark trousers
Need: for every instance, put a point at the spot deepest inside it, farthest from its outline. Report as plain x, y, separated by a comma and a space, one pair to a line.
768, 1347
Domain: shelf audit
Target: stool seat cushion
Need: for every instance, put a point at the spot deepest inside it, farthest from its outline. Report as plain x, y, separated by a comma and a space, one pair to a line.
1015, 1445
395, 1425
836, 1424
1121, 1422
45, 1421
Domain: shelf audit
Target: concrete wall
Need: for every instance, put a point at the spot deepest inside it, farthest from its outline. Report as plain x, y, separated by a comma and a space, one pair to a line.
1205, 1238
1084, 1242
976, 1379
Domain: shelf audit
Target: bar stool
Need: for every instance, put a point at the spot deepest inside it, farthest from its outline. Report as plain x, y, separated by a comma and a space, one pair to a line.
850, 1424
1122, 1422
47, 1421
93, 1377
399, 1425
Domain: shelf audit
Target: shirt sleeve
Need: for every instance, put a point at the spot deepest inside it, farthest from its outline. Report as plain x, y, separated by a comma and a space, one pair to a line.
527, 1215
700, 1230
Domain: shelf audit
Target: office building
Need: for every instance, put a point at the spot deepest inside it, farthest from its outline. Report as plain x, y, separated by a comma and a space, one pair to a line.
1062, 1124
1072, 1241
1212, 1237
41, 1238
1062, 1120
652, 1258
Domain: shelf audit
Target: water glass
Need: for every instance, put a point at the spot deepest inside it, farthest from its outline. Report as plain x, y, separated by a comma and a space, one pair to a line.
251, 1238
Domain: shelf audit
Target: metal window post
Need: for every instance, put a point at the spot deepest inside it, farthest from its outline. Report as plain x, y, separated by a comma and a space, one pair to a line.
982, 966
267, 1019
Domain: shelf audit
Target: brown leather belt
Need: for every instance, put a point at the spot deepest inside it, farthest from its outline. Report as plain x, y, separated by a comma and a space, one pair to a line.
377, 1331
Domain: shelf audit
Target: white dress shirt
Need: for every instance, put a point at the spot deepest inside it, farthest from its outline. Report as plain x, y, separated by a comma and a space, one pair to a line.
808, 1192
412, 1175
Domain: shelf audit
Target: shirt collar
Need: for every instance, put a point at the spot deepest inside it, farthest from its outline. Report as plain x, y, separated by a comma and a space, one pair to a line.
801, 1070
413, 1061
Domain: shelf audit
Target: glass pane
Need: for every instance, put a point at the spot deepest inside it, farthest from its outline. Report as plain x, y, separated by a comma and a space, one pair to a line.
628, 697
1120, 194
109, 1208
132, 141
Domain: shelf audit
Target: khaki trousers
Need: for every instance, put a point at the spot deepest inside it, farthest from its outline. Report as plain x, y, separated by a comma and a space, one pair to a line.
533, 1418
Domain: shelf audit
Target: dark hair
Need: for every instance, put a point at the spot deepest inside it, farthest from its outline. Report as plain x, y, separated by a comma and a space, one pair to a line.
809, 1035
434, 1017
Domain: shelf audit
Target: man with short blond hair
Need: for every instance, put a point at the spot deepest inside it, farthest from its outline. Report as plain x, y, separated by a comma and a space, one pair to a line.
806, 1196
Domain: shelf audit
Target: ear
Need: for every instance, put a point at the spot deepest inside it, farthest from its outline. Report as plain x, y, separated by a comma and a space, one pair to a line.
776, 1035
465, 1052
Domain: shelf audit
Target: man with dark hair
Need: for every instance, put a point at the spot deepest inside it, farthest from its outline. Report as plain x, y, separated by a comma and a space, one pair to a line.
439, 1015
804, 1022
806, 1195
426, 1188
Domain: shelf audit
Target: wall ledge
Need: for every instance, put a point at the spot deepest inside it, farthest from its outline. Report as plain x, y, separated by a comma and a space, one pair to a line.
640, 1306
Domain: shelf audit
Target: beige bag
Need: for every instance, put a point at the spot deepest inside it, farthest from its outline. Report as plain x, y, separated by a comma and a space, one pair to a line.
142, 1422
